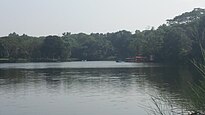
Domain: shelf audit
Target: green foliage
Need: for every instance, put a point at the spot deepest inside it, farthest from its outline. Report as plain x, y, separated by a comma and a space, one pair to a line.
53, 47
177, 45
120, 42
197, 92
15, 46
91, 47
187, 17
175, 42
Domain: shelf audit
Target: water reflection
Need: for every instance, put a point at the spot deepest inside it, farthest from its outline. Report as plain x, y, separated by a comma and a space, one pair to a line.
115, 91
172, 79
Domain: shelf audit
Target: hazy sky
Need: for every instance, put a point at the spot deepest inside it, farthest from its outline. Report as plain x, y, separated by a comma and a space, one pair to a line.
53, 17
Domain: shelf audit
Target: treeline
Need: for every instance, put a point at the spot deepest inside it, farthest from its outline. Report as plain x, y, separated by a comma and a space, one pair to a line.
176, 41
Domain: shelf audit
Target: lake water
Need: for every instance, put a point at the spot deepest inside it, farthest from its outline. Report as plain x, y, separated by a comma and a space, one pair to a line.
87, 88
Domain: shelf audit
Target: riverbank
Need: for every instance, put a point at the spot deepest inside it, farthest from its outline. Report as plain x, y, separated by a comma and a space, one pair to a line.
7, 60
21, 60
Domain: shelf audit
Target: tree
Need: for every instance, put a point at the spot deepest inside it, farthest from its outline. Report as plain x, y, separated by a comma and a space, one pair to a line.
177, 45
53, 47
187, 17
2, 50
120, 42
196, 31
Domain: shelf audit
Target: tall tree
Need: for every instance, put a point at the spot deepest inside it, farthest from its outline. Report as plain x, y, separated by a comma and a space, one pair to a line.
120, 42
53, 47
187, 17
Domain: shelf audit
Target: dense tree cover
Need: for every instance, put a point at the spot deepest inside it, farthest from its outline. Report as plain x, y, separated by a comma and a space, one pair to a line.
14, 46
53, 47
176, 41
187, 17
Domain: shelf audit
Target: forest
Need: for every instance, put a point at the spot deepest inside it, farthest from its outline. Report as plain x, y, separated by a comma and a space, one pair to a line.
177, 41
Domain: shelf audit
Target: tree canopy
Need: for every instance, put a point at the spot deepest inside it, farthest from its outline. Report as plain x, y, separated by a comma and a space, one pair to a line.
175, 41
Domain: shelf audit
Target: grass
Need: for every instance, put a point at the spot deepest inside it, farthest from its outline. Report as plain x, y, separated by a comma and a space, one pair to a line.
195, 96
165, 106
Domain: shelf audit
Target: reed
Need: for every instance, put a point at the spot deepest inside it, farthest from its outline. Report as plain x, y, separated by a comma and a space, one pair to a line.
195, 95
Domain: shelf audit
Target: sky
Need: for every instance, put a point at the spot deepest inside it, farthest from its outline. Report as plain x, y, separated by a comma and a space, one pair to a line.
53, 17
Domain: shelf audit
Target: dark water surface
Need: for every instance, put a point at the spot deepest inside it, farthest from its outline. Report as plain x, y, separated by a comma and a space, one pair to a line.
86, 88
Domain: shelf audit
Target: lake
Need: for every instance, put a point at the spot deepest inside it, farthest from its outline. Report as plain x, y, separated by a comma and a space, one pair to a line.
88, 88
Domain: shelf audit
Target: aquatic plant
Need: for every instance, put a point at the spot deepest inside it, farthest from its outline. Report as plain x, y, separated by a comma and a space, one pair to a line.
197, 94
